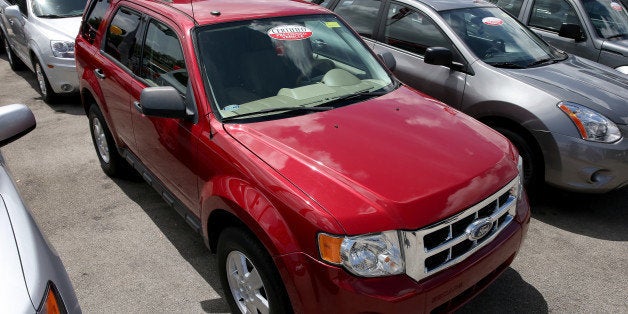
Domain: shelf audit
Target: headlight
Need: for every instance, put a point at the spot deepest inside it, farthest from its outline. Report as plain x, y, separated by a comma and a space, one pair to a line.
372, 255
591, 125
62, 49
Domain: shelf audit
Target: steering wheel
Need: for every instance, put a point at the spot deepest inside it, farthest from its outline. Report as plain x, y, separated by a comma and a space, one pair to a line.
497, 47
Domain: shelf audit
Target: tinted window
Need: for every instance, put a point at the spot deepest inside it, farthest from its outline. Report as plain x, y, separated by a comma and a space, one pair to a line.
609, 18
94, 18
121, 37
361, 15
511, 6
58, 8
22, 5
412, 31
163, 63
551, 14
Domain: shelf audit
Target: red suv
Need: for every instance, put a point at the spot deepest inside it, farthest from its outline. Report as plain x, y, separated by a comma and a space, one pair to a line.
321, 182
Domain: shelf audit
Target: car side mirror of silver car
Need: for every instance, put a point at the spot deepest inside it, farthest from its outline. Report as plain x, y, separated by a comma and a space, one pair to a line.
388, 59
15, 121
13, 13
162, 102
572, 31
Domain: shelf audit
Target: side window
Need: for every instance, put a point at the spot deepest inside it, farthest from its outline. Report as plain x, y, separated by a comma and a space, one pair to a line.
410, 30
121, 37
162, 62
551, 14
22, 5
93, 18
360, 14
511, 6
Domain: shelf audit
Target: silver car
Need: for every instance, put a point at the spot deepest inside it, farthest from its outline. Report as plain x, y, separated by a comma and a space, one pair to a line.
567, 116
593, 29
33, 277
40, 34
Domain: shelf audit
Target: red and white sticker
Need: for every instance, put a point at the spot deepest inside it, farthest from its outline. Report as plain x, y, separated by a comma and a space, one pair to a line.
492, 21
290, 32
616, 6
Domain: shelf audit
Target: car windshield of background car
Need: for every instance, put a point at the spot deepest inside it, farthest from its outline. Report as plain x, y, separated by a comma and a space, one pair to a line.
58, 8
610, 19
498, 39
298, 62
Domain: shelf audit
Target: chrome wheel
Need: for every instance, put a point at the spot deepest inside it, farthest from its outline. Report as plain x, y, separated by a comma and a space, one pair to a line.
101, 140
246, 284
41, 79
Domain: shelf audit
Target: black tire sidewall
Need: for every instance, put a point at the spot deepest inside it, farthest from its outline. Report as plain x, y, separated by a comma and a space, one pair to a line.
235, 239
50, 94
530, 158
111, 168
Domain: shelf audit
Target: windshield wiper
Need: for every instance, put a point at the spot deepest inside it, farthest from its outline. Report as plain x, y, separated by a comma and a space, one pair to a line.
365, 94
539, 62
616, 36
506, 65
271, 110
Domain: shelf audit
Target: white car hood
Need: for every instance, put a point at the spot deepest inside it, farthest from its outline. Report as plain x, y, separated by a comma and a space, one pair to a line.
60, 29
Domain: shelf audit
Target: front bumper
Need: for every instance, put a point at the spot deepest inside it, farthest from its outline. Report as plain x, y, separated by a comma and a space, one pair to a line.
582, 166
316, 287
61, 74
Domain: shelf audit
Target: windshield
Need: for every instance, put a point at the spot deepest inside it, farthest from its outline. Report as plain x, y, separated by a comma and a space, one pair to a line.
58, 8
498, 39
608, 17
257, 68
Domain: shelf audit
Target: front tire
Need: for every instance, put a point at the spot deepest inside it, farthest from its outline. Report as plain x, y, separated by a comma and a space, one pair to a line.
248, 275
110, 160
532, 160
47, 94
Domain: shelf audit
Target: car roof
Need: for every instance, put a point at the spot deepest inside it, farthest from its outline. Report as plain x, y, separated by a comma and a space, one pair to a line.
205, 12
444, 5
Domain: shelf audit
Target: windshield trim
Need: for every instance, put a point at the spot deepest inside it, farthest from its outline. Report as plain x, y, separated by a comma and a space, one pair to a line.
211, 95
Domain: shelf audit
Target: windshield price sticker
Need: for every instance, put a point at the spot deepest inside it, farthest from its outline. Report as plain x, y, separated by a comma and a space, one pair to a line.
616, 6
290, 32
492, 21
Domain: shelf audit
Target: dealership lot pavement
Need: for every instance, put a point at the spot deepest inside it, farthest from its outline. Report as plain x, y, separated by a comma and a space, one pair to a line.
126, 251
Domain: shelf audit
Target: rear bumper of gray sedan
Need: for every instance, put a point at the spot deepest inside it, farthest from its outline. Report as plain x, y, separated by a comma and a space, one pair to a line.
583, 166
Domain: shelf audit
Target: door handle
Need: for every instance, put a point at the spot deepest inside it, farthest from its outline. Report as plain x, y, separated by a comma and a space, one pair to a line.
99, 73
137, 106
11, 22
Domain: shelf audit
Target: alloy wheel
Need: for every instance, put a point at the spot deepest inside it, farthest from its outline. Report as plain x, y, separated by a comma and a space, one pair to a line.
41, 80
246, 284
101, 140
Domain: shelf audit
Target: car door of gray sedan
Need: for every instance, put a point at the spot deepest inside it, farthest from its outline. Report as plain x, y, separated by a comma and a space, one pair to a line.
407, 32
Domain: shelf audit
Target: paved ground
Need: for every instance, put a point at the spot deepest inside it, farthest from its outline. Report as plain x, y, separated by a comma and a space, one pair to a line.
127, 252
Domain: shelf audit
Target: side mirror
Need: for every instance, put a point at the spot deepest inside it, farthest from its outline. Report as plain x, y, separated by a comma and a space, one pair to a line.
162, 102
572, 31
438, 56
15, 122
13, 12
388, 59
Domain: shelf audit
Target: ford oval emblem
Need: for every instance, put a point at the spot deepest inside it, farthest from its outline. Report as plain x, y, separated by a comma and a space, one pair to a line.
479, 229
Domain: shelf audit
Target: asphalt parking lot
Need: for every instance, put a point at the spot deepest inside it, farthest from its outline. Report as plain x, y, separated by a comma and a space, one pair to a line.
126, 251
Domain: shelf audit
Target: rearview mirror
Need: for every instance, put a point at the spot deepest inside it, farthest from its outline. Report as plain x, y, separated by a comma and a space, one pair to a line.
572, 31
162, 102
438, 56
15, 122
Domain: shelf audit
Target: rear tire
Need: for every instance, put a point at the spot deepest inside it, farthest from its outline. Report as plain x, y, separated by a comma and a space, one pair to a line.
110, 160
250, 280
14, 61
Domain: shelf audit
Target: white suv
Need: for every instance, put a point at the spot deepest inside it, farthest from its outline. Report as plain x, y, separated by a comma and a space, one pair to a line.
40, 34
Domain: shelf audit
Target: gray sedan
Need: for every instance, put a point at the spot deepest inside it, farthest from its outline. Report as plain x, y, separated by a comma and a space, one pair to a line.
567, 116
32, 275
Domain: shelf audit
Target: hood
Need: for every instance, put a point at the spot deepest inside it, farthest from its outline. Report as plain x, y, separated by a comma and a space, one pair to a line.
581, 81
60, 29
399, 161
618, 46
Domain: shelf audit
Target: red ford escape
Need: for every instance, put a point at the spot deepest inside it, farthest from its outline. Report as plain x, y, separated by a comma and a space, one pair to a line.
321, 182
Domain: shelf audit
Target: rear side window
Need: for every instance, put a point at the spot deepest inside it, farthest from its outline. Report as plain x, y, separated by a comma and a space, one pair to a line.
93, 19
162, 62
360, 14
511, 6
121, 41
551, 14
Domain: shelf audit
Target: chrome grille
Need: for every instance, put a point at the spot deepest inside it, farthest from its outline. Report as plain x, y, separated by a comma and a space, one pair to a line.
434, 248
